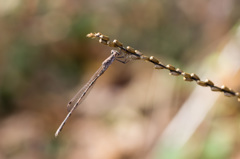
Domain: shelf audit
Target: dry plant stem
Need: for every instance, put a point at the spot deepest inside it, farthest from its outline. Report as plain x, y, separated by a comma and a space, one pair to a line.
126, 54
82, 93
135, 54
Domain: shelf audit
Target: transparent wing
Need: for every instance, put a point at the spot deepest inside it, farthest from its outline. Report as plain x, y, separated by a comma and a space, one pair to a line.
83, 92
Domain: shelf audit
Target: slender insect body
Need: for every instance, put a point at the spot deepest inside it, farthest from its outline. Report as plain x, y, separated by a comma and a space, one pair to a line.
82, 93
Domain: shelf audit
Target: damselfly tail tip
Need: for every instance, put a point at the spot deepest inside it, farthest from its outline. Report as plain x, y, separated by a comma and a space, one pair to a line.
58, 131
56, 134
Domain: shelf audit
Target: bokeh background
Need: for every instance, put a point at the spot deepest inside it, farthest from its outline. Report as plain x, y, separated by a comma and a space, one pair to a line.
133, 111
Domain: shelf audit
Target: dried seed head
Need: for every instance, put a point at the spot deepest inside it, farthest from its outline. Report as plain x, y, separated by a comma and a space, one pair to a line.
208, 82
170, 67
130, 49
117, 43
146, 58
187, 79
158, 66
228, 94
174, 73
216, 89
237, 94
91, 35
111, 44
179, 70
135, 54
227, 91
202, 83
98, 34
103, 41
106, 38
224, 88
194, 76
153, 59
185, 74
138, 52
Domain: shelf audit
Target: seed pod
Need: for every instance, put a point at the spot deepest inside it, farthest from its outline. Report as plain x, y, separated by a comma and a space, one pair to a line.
237, 94
208, 82
194, 76
111, 44
97, 34
202, 83
138, 52
117, 43
178, 70
156, 66
216, 89
224, 88
174, 73
146, 58
103, 41
130, 49
228, 94
153, 59
187, 79
91, 35
170, 67
186, 76
227, 91
106, 38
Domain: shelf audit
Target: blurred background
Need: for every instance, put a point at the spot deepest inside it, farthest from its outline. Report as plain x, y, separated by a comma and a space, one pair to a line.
133, 111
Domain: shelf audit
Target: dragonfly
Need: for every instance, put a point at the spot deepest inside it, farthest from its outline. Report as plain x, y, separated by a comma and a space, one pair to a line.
79, 97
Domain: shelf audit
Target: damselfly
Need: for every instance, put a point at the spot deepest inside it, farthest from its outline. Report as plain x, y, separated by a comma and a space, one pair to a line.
79, 97
128, 53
